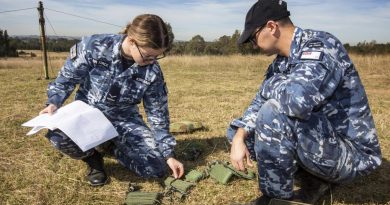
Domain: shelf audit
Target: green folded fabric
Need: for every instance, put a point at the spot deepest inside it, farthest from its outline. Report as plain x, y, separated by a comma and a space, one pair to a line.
220, 173
178, 185
194, 176
247, 175
141, 198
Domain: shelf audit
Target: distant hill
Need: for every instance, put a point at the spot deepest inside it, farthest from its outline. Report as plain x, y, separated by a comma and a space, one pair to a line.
48, 37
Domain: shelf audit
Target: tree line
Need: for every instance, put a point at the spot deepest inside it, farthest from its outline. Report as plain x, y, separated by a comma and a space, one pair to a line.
225, 45
6, 48
58, 44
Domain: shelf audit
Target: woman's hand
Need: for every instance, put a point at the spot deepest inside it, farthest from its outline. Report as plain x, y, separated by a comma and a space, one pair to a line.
49, 109
176, 167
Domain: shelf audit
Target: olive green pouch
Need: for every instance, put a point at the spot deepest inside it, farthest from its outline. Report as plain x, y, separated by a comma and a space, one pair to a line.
141, 198
247, 175
194, 176
220, 173
178, 185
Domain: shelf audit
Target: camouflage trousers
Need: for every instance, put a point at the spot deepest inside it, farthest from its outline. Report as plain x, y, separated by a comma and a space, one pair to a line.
283, 144
135, 148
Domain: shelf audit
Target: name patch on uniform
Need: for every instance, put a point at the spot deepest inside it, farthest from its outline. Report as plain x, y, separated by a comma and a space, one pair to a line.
100, 62
143, 81
311, 55
73, 52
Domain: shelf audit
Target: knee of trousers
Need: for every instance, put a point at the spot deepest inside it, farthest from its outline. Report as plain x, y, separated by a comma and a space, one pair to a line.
157, 171
64, 144
272, 126
270, 114
156, 168
148, 165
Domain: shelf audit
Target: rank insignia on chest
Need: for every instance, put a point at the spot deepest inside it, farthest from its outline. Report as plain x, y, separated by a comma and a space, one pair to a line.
311, 55
315, 44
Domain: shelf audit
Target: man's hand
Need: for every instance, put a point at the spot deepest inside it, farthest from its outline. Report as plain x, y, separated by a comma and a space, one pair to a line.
49, 109
176, 167
239, 151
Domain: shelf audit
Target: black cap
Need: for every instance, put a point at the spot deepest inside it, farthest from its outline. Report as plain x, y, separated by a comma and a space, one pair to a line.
260, 13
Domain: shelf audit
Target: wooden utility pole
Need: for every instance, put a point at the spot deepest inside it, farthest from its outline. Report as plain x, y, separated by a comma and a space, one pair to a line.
43, 39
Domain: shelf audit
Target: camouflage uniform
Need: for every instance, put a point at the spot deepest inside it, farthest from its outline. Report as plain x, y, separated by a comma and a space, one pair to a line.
311, 111
114, 86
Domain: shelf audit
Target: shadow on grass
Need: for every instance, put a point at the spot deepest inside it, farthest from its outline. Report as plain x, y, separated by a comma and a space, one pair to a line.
371, 189
185, 150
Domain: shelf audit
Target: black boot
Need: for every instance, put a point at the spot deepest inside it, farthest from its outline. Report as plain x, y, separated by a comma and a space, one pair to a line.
96, 176
312, 188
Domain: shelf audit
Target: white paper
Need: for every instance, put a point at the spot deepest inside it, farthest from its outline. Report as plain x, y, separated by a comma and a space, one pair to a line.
85, 125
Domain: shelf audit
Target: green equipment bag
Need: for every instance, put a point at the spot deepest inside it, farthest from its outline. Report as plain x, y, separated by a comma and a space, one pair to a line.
194, 176
222, 172
178, 185
246, 175
142, 198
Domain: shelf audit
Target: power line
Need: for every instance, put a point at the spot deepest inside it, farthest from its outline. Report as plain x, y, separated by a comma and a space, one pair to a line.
50, 25
16, 10
84, 17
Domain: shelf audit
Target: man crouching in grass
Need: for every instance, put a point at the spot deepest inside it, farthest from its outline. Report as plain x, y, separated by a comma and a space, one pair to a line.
310, 118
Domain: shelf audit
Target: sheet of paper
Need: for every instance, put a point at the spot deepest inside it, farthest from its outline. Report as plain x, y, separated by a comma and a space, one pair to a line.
85, 125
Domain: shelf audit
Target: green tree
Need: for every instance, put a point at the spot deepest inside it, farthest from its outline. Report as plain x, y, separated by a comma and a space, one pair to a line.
2, 45
233, 42
178, 48
196, 45
224, 45
6, 43
213, 48
171, 36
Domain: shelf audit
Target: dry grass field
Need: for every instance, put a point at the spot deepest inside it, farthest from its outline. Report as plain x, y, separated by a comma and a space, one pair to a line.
209, 89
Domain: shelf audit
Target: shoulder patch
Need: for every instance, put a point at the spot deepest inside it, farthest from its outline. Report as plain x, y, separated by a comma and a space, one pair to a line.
73, 52
311, 55
315, 44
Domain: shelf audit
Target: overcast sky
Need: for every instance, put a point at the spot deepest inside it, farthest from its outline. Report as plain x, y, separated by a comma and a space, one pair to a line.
351, 21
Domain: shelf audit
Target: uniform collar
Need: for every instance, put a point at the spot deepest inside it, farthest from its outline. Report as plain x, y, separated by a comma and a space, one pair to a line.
295, 45
117, 50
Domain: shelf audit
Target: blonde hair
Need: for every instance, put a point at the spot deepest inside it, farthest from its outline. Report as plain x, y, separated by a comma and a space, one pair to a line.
149, 30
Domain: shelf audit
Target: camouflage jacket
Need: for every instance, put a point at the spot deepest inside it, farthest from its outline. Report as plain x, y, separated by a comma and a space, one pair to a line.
318, 76
96, 64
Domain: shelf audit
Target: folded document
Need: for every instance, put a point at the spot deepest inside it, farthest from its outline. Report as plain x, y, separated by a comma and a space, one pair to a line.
85, 125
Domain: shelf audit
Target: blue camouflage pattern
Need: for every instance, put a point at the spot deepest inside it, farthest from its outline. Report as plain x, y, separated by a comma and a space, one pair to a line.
116, 87
310, 113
